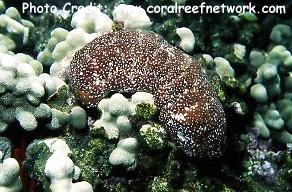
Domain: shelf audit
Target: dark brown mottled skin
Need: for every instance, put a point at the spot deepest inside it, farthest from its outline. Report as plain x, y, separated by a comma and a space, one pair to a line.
131, 61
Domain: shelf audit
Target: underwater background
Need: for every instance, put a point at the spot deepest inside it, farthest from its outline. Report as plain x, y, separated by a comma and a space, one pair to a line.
51, 139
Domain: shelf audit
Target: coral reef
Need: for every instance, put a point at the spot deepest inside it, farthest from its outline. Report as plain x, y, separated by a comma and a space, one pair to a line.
51, 160
77, 118
272, 70
9, 168
24, 88
61, 48
60, 175
92, 20
87, 24
61, 170
9, 175
223, 68
281, 34
116, 112
153, 136
115, 123
5, 148
131, 17
91, 155
52, 140
125, 153
115, 116
187, 39
14, 30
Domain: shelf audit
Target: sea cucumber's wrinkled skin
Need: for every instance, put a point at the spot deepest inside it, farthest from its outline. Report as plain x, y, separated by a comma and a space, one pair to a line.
131, 61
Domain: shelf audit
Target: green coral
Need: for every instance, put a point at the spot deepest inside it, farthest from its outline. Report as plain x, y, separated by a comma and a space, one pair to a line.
272, 72
5, 148
48, 163
145, 111
91, 154
217, 85
261, 127
259, 93
118, 188
285, 108
281, 34
44, 25
271, 121
159, 185
230, 90
60, 98
78, 118
167, 30
37, 154
153, 136
268, 76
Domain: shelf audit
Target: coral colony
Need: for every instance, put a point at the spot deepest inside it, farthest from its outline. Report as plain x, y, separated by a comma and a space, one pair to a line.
104, 96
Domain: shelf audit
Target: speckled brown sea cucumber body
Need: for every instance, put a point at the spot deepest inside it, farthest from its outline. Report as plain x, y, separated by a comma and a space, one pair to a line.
131, 61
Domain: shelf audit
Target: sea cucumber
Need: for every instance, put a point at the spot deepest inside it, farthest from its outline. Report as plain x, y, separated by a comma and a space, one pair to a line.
131, 61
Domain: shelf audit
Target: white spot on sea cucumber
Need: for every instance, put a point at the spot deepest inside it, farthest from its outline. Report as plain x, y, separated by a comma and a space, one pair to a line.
185, 143
181, 137
178, 117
